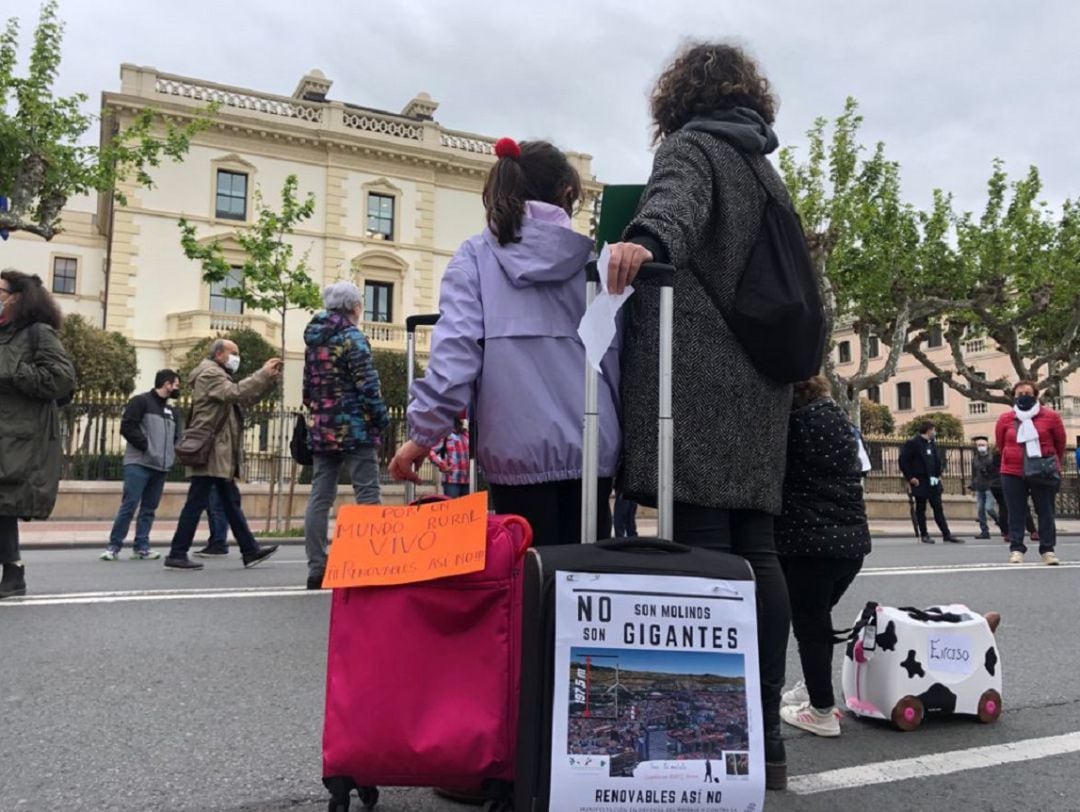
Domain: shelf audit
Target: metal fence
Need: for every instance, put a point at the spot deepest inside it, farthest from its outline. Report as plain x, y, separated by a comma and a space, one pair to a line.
956, 458
94, 448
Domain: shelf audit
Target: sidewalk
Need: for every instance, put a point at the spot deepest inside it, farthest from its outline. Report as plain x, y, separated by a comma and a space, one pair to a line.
67, 534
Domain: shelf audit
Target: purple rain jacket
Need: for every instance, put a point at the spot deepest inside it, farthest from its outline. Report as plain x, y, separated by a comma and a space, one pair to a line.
508, 325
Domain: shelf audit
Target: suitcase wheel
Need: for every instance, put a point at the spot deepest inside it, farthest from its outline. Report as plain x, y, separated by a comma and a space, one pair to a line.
369, 796
908, 713
989, 707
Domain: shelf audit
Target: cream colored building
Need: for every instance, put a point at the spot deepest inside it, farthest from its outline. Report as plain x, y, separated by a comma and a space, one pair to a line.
396, 194
914, 390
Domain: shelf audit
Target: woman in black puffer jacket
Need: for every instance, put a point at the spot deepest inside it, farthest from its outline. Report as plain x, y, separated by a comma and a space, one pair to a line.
822, 537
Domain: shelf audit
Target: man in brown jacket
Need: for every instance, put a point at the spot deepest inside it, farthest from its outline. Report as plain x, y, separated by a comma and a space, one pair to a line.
216, 401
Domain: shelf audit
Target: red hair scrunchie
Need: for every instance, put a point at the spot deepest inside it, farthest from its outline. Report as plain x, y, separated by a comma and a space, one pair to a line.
507, 148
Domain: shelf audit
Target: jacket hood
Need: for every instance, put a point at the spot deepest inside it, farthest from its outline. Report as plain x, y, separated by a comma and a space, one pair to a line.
323, 327
742, 127
546, 253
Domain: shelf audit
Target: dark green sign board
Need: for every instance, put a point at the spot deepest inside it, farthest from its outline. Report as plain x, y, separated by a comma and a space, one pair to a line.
617, 207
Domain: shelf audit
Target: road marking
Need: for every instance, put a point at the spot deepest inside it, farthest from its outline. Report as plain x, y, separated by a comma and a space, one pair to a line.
975, 758
75, 598
943, 569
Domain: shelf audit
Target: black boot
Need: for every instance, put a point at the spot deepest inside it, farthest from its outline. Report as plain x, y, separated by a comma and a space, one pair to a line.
775, 754
13, 583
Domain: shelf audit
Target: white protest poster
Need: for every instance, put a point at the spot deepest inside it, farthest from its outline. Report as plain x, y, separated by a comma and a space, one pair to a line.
656, 703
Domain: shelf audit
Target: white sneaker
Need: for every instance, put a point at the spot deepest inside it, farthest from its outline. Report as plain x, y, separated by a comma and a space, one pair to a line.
109, 555
145, 555
1016, 557
796, 696
810, 719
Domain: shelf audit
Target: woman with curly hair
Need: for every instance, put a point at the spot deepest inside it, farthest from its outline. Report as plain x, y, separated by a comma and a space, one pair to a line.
712, 111
34, 372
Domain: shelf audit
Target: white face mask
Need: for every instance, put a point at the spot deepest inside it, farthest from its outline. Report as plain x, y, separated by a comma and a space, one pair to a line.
982, 449
232, 363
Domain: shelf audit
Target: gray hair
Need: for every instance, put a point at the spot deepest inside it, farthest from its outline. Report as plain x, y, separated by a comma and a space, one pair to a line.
343, 296
216, 346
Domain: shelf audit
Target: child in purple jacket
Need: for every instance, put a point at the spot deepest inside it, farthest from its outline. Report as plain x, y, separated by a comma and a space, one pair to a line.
509, 306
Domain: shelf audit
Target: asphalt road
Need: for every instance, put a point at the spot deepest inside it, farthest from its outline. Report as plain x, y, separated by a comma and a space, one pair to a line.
215, 703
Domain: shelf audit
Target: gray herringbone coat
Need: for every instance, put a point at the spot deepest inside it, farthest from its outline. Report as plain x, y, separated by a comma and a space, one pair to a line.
704, 205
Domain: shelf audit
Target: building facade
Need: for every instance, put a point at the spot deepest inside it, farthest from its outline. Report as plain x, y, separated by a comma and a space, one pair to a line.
915, 390
395, 196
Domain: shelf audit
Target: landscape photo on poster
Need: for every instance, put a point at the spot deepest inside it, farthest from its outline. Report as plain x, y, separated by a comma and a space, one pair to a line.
634, 706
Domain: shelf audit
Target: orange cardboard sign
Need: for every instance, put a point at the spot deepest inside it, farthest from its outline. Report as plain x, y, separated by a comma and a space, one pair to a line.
380, 545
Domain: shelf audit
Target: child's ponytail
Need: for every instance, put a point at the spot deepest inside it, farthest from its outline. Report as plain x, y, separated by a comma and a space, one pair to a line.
535, 170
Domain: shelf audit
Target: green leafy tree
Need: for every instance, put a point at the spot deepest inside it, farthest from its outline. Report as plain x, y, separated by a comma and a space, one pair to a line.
877, 419
875, 256
949, 427
273, 279
254, 352
43, 161
393, 367
1016, 285
104, 361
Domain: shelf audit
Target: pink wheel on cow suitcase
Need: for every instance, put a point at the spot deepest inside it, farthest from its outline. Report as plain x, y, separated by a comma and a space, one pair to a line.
989, 707
908, 713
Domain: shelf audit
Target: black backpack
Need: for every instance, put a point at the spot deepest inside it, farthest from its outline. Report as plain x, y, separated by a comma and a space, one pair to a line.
778, 316
299, 447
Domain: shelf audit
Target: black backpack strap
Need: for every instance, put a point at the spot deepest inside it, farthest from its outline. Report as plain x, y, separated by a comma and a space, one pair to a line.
931, 615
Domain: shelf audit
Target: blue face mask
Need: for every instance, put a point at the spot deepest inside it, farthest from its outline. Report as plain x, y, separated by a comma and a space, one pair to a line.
1026, 402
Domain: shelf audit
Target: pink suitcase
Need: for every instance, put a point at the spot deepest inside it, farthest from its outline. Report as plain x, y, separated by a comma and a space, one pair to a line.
422, 680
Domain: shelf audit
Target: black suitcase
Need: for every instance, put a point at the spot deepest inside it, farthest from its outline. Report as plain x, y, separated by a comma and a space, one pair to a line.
644, 556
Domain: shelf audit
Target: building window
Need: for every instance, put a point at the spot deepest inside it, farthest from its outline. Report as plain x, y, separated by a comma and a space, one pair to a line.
873, 393
380, 216
377, 299
845, 352
231, 195
222, 303
934, 337
64, 272
937, 392
873, 347
903, 397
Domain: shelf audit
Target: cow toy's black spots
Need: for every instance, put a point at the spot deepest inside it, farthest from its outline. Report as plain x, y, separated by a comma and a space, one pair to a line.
913, 666
991, 661
886, 640
938, 699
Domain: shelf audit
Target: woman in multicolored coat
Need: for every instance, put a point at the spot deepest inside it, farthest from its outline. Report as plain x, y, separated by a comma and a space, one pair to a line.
346, 414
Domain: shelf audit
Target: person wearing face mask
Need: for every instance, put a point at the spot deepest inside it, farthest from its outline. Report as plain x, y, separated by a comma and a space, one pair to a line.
346, 415
921, 467
982, 476
216, 401
151, 428
1028, 432
35, 372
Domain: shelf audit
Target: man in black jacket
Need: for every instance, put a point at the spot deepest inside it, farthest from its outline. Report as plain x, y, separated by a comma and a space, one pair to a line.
921, 467
982, 481
151, 427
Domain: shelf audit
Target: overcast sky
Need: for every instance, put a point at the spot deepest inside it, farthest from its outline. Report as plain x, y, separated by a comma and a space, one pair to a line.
948, 86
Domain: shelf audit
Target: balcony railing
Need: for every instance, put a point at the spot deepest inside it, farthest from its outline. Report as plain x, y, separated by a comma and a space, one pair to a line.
202, 323
386, 336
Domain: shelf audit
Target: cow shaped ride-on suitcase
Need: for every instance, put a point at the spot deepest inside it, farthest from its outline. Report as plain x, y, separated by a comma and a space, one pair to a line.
422, 679
901, 664
639, 677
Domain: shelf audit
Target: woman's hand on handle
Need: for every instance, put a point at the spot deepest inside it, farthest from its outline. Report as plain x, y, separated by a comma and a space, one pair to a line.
626, 260
406, 463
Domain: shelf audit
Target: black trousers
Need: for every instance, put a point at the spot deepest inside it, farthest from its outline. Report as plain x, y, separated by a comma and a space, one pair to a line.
553, 509
625, 517
9, 539
1017, 491
815, 586
939, 512
749, 533
198, 501
1003, 513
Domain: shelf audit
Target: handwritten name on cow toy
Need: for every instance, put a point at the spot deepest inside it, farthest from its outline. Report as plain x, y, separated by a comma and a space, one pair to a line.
951, 653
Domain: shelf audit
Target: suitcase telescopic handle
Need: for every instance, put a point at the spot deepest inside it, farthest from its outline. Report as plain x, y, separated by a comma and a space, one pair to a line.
652, 274
411, 323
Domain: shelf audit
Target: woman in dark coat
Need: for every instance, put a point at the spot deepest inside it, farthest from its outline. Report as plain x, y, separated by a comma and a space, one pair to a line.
701, 211
822, 536
34, 371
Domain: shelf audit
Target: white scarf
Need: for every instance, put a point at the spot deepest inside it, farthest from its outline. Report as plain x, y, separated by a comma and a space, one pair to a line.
1027, 433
